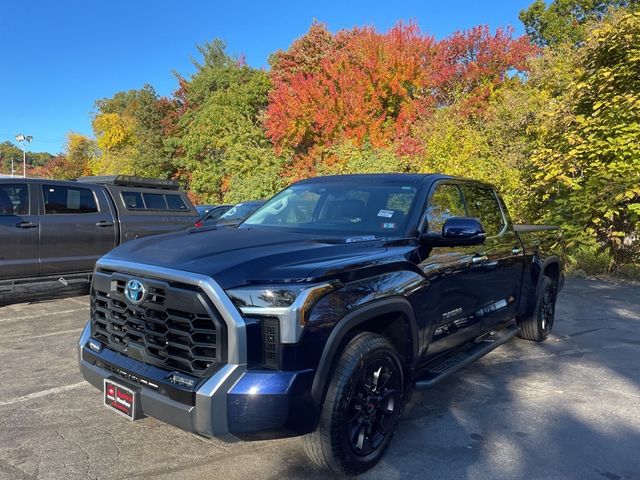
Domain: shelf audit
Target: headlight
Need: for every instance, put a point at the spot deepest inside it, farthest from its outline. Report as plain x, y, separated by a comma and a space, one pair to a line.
290, 303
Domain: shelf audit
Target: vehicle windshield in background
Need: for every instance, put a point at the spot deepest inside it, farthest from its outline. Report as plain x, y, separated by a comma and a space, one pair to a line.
239, 212
338, 209
214, 214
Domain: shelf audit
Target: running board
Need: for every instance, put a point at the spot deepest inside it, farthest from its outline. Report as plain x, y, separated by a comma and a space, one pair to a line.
441, 368
37, 285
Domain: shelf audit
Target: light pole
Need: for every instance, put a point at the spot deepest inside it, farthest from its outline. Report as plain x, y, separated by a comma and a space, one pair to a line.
22, 139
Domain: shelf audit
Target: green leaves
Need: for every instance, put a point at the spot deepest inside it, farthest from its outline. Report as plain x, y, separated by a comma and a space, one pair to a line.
587, 163
220, 132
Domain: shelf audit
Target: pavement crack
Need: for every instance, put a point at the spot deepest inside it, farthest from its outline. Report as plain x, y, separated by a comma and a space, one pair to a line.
115, 444
87, 458
15, 472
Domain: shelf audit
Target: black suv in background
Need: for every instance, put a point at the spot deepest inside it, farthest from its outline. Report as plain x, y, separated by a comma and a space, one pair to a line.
53, 231
320, 313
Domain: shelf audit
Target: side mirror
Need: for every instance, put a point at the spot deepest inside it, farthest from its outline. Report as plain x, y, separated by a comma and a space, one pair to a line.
457, 231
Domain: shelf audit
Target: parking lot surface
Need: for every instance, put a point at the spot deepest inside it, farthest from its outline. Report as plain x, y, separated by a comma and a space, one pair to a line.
568, 408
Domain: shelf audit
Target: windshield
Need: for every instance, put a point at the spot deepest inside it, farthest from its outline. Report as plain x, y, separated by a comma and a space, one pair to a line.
338, 208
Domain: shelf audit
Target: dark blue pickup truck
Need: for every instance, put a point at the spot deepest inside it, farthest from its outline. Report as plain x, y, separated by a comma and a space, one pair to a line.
320, 313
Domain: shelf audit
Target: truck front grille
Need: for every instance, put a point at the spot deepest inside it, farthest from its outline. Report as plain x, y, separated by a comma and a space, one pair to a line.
176, 327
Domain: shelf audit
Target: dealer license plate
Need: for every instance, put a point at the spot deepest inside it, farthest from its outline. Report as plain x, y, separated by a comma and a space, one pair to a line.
120, 399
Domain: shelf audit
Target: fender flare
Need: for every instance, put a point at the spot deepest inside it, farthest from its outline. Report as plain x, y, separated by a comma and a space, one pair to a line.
347, 324
548, 261
533, 289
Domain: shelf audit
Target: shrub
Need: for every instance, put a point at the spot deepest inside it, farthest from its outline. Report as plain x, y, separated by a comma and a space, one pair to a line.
590, 260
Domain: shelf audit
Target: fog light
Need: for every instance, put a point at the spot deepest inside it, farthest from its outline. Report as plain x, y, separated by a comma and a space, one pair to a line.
95, 345
182, 381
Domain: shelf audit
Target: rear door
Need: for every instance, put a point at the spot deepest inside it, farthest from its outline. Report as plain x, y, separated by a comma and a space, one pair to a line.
18, 231
499, 264
76, 227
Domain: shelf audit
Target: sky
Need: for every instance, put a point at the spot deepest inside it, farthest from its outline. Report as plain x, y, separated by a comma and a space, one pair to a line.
58, 57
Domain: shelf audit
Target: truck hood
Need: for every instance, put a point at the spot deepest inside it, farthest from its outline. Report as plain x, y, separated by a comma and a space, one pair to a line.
235, 257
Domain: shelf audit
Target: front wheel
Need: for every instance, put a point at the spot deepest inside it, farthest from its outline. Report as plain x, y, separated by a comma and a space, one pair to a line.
361, 408
538, 326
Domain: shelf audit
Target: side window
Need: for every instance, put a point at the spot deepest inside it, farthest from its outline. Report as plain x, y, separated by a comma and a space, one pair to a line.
61, 199
154, 201
175, 202
133, 200
14, 199
483, 204
446, 202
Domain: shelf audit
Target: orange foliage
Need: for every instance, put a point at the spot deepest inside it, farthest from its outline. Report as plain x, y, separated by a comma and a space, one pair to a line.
362, 85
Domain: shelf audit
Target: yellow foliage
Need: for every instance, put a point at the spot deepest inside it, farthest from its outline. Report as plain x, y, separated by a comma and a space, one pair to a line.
113, 131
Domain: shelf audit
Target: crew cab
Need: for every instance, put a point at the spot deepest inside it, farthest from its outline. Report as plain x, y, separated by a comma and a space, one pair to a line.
320, 313
53, 231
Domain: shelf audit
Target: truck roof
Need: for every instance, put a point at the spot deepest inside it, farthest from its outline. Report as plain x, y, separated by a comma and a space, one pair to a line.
131, 181
373, 178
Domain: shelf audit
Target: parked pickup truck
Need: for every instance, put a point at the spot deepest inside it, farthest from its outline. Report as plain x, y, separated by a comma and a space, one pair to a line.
320, 313
52, 232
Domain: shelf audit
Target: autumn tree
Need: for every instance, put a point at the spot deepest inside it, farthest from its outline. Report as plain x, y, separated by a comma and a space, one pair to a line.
129, 132
372, 87
565, 21
9, 151
225, 149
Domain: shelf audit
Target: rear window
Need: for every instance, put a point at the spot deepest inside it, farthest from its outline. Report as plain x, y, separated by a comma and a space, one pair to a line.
133, 200
175, 202
59, 200
153, 201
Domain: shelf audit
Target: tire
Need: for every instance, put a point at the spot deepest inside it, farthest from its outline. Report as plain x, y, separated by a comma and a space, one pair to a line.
538, 326
361, 409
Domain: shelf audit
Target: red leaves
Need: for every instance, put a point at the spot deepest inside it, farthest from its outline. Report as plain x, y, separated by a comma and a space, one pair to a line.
360, 84
467, 62
367, 85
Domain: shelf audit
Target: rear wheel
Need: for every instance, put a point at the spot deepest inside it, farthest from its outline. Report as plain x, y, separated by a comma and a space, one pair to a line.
361, 408
538, 326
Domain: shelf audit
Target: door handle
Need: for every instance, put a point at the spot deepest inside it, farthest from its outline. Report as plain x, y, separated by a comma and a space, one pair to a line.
479, 258
104, 223
26, 225
516, 251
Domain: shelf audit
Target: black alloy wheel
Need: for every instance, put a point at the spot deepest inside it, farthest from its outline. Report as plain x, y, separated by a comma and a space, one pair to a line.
361, 408
547, 309
371, 409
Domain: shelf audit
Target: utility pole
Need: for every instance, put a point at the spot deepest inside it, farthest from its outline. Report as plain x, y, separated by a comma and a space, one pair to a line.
22, 140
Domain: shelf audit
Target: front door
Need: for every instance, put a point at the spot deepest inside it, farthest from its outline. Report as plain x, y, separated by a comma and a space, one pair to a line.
18, 231
452, 299
77, 228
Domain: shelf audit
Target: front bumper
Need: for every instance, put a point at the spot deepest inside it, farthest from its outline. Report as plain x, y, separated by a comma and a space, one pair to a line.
233, 403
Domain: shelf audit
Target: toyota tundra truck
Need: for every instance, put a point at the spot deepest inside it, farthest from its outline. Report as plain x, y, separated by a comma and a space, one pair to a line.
320, 313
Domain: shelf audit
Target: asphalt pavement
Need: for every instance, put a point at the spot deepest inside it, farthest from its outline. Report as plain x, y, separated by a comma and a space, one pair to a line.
568, 408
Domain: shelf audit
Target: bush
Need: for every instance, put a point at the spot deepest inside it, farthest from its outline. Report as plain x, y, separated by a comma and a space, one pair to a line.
590, 261
629, 271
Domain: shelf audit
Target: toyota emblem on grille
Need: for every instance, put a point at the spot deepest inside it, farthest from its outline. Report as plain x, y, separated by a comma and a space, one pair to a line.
134, 291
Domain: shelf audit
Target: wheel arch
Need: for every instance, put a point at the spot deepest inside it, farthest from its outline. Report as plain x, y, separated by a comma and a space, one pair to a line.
392, 317
551, 267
